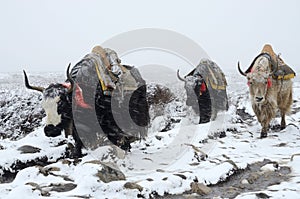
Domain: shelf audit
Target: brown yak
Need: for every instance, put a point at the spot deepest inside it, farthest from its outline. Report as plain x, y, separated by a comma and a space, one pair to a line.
270, 85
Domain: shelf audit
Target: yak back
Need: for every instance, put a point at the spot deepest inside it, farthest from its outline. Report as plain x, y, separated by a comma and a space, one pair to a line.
211, 73
93, 64
282, 70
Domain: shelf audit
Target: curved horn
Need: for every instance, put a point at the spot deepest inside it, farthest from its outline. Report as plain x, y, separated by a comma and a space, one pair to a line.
242, 73
178, 76
41, 89
71, 80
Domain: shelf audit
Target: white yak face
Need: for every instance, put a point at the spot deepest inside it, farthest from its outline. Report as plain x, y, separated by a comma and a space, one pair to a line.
50, 105
258, 86
258, 79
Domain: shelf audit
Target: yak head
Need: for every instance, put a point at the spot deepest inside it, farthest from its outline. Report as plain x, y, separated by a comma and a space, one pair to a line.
195, 86
57, 103
259, 76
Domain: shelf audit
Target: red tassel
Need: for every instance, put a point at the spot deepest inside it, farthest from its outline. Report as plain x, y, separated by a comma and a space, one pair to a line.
269, 82
66, 85
202, 88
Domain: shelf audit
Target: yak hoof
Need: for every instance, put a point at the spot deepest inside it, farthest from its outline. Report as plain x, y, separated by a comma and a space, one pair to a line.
74, 152
263, 135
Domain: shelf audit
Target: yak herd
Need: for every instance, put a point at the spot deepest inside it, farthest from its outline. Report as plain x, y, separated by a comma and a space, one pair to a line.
103, 101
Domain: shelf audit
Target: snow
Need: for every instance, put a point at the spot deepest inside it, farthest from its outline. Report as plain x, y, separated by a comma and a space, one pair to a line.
166, 162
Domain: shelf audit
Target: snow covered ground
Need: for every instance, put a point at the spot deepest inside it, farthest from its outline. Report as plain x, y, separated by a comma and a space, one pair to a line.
165, 163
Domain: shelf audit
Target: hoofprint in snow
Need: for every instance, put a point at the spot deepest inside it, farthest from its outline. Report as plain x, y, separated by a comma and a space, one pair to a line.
166, 162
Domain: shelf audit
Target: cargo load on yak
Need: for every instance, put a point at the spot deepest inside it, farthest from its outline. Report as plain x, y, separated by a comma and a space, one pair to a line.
206, 90
116, 93
281, 71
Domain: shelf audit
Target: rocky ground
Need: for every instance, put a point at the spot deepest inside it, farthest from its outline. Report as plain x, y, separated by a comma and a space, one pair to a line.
179, 159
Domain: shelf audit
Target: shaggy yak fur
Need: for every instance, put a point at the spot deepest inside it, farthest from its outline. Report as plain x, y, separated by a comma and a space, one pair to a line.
268, 93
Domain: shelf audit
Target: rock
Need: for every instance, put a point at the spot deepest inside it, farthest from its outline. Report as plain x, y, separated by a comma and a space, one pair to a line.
28, 149
245, 181
200, 188
132, 185
58, 187
180, 175
269, 167
262, 195
158, 137
109, 153
110, 172
118, 152
62, 187
253, 177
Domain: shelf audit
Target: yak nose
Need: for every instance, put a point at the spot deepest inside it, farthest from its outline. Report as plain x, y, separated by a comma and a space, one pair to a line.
52, 131
259, 99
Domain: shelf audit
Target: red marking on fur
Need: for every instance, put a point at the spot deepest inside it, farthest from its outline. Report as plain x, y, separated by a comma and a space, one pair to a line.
248, 83
202, 87
78, 96
269, 82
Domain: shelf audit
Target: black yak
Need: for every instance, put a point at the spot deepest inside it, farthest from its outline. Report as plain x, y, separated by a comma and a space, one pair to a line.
206, 90
100, 99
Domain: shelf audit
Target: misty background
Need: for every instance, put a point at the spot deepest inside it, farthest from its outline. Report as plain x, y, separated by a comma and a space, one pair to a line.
45, 35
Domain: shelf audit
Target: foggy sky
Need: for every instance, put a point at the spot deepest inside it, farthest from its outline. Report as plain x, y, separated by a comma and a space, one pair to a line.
45, 35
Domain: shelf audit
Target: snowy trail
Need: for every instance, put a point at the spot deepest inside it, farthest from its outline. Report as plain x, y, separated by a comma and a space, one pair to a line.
166, 162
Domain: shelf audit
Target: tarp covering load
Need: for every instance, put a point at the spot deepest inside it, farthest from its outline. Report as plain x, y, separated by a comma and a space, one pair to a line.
282, 70
216, 83
211, 96
112, 74
117, 93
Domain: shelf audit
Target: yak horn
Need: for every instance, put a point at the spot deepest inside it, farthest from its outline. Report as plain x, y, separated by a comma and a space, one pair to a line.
71, 80
242, 73
178, 76
41, 89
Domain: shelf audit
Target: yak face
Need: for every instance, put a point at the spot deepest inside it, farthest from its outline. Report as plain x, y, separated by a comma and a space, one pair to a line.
258, 85
195, 86
58, 107
259, 77
192, 87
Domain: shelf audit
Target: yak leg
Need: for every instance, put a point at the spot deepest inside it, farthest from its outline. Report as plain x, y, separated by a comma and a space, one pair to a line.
265, 128
284, 108
282, 125
205, 108
77, 151
264, 124
73, 151
264, 132
68, 129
